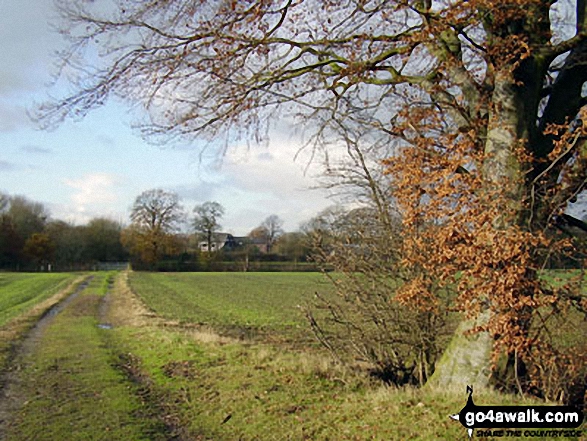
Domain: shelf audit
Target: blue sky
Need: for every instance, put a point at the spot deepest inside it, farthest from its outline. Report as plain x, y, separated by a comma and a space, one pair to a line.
96, 167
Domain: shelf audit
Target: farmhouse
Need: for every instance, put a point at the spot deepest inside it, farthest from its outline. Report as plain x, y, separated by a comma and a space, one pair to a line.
228, 242
219, 241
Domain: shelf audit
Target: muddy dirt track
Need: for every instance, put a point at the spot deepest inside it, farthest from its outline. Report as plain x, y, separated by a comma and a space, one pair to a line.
11, 379
64, 380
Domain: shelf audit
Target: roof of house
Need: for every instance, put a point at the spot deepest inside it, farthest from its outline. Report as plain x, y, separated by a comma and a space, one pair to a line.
220, 237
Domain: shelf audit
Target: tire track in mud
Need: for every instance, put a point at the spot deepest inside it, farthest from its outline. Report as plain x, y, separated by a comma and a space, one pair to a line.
120, 308
104, 307
84, 390
10, 379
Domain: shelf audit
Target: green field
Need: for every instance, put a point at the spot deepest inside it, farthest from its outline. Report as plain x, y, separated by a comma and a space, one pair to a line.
241, 302
21, 291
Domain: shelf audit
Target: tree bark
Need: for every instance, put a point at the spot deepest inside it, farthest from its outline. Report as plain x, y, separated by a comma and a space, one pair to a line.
467, 360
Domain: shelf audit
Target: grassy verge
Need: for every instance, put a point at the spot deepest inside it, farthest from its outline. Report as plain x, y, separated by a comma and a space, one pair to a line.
70, 388
24, 299
21, 291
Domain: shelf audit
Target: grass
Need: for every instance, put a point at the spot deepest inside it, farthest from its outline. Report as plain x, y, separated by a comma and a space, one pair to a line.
21, 291
73, 390
226, 389
243, 302
228, 392
156, 376
24, 298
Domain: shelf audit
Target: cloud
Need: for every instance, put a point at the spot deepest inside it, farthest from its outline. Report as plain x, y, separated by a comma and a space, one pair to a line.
94, 194
35, 150
11, 83
197, 193
265, 156
93, 188
27, 58
257, 183
25, 28
6, 166
105, 140
12, 116
578, 209
65, 212
276, 171
254, 183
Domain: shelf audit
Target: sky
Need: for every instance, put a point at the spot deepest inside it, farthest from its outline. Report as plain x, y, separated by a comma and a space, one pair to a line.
98, 166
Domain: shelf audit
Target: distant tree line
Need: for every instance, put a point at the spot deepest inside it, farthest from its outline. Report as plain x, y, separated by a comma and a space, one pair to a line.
30, 240
160, 236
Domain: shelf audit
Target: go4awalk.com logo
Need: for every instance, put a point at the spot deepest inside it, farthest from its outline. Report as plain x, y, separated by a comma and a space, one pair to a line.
528, 421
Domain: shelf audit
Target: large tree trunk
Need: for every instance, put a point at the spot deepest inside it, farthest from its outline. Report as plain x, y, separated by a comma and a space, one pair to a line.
467, 360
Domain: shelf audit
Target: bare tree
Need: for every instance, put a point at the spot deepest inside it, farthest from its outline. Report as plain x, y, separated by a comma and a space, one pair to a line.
207, 220
156, 215
157, 210
272, 226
